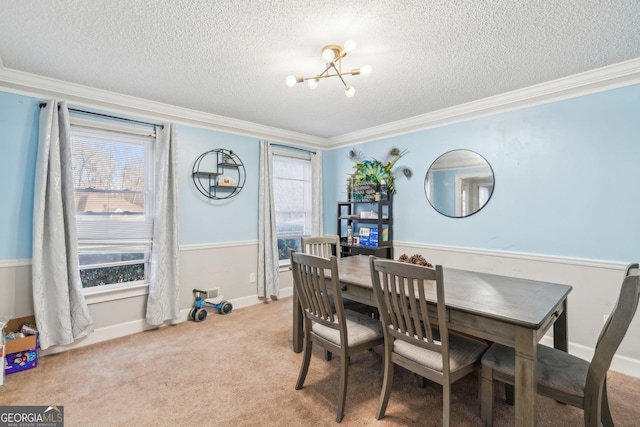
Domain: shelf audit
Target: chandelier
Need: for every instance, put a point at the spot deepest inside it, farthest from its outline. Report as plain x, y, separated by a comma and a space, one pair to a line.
333, 55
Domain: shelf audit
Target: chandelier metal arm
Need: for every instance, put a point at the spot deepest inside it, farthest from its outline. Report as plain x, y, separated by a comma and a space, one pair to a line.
346, 86
333, 54
354, 72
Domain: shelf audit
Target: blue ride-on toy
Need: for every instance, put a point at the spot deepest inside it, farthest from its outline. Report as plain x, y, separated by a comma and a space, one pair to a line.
199, 312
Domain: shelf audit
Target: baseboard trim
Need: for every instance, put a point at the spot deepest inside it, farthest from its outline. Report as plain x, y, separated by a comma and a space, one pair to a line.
136, 326
622, 364
105, 334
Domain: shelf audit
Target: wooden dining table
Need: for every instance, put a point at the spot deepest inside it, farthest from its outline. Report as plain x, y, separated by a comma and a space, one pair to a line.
508, 310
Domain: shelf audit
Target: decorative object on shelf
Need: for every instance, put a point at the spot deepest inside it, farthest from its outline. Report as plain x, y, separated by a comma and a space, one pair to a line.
226, 181
333, 55
364, 190
228, 157
218, 174
370, 174
416, 259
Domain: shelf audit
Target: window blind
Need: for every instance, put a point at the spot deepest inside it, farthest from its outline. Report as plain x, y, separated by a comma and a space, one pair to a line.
292, 195
113, 190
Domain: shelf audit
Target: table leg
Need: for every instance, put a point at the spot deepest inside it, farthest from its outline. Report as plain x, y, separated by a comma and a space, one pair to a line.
560, 336
297, 323
526, 386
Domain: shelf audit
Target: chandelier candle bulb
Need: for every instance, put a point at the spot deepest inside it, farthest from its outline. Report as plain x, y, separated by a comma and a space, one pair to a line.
328, 55
291, 81
350, 45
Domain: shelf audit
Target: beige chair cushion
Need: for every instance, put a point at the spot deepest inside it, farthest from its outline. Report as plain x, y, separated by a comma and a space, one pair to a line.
360, 328
462, 352
556, 369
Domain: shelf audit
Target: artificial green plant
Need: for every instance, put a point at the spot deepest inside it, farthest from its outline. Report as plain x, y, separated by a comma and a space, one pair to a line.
376, 171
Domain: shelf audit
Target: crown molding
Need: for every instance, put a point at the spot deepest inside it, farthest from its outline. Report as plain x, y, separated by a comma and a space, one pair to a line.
598, 80
606, 78
46, 87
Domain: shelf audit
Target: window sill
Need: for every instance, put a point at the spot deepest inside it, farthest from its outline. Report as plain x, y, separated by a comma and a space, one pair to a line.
284, 265
106, 295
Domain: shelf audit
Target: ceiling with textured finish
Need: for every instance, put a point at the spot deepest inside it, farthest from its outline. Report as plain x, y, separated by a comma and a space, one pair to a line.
231, 58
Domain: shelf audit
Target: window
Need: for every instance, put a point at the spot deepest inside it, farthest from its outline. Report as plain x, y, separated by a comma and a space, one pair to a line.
292, 198
113, 183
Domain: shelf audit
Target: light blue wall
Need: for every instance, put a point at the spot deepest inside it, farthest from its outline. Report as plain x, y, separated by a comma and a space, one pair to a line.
18, 150
202, 220
566, 179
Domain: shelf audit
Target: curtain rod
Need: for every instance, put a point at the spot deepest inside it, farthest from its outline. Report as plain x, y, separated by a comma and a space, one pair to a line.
293, 148
44, 104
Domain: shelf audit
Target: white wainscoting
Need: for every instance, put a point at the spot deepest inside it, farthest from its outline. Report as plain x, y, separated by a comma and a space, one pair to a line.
596, 284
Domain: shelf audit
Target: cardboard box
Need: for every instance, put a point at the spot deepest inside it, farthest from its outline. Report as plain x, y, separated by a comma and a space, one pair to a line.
1, 356
21, 353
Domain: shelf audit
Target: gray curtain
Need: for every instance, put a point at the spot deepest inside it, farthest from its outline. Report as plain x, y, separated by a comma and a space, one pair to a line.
268, 286
163, 303
61, 312
316, 194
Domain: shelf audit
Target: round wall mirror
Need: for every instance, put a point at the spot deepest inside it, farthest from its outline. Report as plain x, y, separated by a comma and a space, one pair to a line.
459, 183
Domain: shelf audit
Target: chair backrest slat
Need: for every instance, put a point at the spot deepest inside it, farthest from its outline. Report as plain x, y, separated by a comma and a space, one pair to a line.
322, 246
388, 294
402, 291
313, 288
424, 311
403, 303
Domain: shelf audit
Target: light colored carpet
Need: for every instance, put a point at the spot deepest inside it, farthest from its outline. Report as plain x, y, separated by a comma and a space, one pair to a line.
240, 370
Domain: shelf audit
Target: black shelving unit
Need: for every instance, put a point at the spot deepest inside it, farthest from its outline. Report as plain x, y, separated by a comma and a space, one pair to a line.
211, 169
350, 213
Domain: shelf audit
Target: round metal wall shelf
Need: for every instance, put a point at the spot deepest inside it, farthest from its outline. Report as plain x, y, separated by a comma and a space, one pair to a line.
219, 174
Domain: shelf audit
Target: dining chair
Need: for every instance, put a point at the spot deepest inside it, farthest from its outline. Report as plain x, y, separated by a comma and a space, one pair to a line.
340, 331
326, 246
410, 339
566, 378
